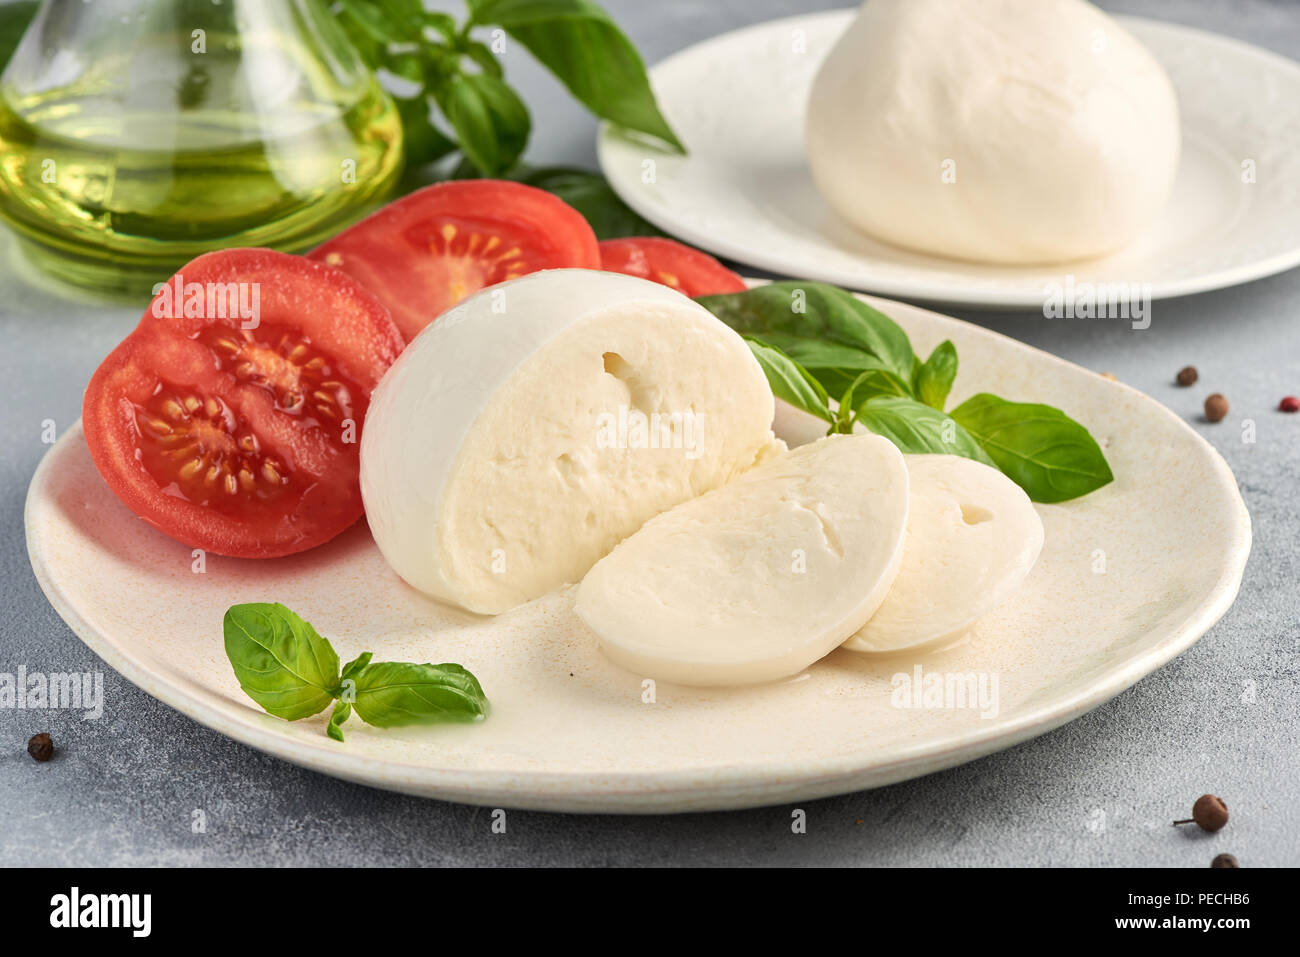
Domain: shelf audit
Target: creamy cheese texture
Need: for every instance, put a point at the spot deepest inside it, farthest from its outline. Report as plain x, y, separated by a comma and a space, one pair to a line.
760, 578
1006, 131
972, 538
536, 425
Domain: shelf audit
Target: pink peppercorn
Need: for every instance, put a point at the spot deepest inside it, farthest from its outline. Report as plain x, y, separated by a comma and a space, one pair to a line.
1289, 404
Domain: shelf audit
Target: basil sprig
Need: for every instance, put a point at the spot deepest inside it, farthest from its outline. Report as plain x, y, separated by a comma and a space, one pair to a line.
815, 341
283, 664
443, 65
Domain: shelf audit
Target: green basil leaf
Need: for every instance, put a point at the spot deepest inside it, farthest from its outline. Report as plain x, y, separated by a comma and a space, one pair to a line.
408, 66
482, 55
879, 382
917, 428
393, 694
355, 666
347, 689
342, 711
591, 195
422, 141
444, 23
372, 51
866, 386
845, 411
375, 21
815, 354
388, 21
578, 42
407, 15
1048, 454
837, 367
935, 377
791, 382
14, 20
816, 313
490, 121
279, 660
845, 416
439, 65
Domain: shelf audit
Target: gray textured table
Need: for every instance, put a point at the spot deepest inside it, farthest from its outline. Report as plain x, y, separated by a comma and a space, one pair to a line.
1223, 718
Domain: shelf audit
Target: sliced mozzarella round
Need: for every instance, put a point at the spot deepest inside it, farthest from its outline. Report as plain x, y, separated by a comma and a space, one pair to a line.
972, 537
761, 577
534, 426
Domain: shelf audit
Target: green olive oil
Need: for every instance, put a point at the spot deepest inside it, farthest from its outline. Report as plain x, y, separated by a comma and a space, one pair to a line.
120, 199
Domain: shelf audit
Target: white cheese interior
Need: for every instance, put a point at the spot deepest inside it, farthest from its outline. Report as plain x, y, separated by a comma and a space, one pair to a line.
972, 537
530, 429
760, 578
1000, 131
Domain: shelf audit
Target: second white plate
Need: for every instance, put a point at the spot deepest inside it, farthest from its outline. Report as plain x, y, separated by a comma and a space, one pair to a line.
744, 191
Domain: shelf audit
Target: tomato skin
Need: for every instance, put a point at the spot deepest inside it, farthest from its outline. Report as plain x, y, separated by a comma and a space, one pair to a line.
405, 255
681, 267
316, 493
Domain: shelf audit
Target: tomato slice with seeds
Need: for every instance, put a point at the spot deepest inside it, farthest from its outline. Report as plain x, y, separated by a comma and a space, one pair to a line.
230, 419
426, 252
667, 261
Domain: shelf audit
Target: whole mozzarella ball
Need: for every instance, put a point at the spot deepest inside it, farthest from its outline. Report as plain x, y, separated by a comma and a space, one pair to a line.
1003, 131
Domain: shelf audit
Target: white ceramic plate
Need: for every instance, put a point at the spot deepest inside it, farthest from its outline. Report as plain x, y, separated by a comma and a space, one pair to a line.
570, 731
745, 192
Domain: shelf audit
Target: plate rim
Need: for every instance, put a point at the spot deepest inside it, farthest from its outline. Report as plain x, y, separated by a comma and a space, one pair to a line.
609, 138
713, 787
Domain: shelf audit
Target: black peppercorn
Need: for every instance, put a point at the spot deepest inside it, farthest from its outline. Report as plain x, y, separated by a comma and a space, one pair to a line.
1224, 860
1187, 375
40, 747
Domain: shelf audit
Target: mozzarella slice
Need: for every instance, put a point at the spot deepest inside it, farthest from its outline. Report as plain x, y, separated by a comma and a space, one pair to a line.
972, 537
760, 578
534, 426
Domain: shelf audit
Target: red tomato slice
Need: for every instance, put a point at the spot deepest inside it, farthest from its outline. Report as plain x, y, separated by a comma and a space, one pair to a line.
242, 441
427, 251
687, 270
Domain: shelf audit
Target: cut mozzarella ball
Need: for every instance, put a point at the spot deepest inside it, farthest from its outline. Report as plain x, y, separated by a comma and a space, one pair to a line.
539, 423
760, 578
972, 537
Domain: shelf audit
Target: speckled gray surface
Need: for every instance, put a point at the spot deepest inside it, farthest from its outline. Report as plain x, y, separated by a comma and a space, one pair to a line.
1224, 717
